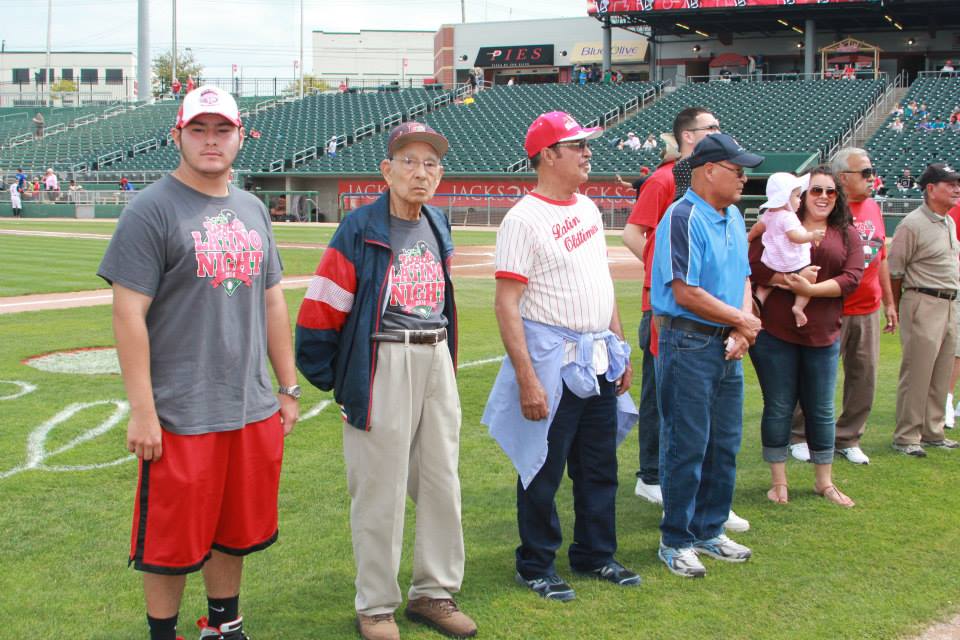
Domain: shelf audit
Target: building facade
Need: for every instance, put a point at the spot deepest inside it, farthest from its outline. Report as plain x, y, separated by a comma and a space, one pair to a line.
373, 56
74, 78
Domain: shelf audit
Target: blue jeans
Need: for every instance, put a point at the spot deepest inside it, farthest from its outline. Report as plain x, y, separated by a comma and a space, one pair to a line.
701, 422
649, 426
789, 373
582, 438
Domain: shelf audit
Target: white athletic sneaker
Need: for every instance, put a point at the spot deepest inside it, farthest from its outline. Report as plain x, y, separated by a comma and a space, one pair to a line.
800, 451
854, 455
949, 418
649, 492
736, 523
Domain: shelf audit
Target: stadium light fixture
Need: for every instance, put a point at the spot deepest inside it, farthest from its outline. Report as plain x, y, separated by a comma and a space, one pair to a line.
799, 44
887, 18
898, 26
682, 26
911, 41
696, 48
783, 22
798, 30
701, 33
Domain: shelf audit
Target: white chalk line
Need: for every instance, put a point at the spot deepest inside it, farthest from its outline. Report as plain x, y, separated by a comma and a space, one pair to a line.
25, 388
55, 234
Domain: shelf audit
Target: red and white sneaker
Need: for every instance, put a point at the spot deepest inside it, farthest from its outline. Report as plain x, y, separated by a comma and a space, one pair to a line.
227, 631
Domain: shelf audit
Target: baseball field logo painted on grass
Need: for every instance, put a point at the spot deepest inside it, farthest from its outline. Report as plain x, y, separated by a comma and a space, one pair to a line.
227, 252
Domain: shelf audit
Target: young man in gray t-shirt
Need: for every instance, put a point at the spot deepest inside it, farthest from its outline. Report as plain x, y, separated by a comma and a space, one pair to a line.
197, 310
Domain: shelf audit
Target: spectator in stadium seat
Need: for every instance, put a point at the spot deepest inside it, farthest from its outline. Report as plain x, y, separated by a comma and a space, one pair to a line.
51, 185
632, 142
558, 398
38, 124
926, 280
947, 69
389, 354
860, 324
799, 364
21, 179
906, 182
332, 147
650, 143
700, 294
896, 125
195, 325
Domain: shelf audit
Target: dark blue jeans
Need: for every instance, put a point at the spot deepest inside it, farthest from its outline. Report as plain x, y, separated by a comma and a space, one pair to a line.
582, 437
649, 425
789, 373
701, 421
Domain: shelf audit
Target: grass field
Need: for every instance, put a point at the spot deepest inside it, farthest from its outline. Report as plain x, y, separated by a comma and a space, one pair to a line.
882, 570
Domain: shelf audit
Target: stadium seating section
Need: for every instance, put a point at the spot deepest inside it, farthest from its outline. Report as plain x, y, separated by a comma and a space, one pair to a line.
914, 149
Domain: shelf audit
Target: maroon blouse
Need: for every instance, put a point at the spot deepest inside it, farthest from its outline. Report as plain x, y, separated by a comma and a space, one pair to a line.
843, 264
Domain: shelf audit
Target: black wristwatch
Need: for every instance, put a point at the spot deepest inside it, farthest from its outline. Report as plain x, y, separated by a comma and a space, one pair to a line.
293, 391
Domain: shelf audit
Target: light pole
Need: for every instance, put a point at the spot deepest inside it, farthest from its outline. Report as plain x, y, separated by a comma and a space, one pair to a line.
173, 51
46, 71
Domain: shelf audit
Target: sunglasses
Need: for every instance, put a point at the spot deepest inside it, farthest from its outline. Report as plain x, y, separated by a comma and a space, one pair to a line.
830, 192
866, 174
739, 170
578, 144
715, 128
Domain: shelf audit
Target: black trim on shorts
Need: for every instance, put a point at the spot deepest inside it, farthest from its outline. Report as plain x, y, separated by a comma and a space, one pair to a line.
248, 550
171, 571
137, 559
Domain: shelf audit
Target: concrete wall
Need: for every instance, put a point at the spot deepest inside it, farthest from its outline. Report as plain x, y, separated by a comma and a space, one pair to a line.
367, 54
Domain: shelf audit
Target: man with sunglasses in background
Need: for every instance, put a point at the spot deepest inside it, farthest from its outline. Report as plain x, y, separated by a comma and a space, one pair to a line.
378, 325
860, 325
561, 389
701, 299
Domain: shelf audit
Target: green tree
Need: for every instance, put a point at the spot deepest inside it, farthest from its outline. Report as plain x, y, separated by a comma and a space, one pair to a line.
63, 86
310, 84
186, 66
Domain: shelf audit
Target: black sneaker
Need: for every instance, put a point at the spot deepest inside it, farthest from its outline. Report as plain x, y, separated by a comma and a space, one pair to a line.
550, 587
613, 572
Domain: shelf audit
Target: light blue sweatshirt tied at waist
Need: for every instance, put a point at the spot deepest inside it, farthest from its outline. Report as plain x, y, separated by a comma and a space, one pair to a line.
525, 441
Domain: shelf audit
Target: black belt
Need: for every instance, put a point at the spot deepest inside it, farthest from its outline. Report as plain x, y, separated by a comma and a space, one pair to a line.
944, 294
432, 336
685, 324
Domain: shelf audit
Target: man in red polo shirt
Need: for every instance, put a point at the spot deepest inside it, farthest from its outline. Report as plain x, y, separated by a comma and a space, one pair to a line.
860, 326
951, 412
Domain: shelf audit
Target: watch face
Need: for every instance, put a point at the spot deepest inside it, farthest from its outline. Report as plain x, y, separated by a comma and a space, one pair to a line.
293, 391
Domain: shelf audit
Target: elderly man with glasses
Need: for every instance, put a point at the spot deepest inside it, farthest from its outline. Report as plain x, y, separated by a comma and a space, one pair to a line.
860, 324
561, 389
701, 300
378, 325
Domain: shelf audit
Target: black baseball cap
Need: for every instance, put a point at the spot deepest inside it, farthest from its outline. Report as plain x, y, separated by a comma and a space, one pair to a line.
718, 147
937, 172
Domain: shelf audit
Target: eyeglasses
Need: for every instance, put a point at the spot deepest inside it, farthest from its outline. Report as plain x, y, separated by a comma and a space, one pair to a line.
830, 192
410, 164
739, 170
576, 144
866, 174
712, 127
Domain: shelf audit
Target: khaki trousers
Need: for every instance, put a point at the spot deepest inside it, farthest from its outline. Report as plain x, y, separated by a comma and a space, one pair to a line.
412, 448
928, 335
860, 356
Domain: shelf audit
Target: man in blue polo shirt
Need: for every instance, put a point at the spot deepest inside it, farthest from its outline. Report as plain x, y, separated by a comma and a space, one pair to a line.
701, 300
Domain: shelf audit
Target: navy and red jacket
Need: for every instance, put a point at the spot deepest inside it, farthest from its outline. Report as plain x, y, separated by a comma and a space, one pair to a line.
345, 302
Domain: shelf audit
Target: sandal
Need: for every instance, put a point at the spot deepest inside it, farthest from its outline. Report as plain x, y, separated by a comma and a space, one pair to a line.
831, 493
773, 494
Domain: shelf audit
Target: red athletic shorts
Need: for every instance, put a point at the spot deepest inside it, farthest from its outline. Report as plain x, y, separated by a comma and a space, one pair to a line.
209, 491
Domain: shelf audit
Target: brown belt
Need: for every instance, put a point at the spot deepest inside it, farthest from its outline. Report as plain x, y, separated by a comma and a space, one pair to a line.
943, 294
433, 336
685, 324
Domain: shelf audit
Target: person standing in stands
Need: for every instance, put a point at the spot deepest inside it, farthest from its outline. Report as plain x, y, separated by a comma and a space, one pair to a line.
925, 279
378, 325
559, 395
38, 124
700, 294
860, 326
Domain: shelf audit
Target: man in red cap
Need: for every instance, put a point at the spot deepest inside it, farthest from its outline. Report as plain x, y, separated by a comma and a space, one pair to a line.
378, 325
197, 312
567, 367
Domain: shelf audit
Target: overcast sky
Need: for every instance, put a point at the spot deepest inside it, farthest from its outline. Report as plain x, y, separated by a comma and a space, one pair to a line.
260, 35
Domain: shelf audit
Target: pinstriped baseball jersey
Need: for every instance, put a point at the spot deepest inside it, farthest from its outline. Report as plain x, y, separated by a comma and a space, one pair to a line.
559, 251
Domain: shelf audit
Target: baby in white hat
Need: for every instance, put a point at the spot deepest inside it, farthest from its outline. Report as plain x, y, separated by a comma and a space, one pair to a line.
786, 244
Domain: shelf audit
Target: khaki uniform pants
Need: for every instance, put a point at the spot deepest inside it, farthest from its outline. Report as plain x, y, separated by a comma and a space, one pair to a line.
928, 338
412, 447
860, 356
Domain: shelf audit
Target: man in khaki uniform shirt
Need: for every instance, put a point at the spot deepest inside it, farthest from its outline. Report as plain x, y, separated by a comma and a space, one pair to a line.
925, 279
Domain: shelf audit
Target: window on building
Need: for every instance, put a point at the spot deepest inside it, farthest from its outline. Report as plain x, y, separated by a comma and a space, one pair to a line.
21, 76
114, 76
66, 74
89, 76
40, 76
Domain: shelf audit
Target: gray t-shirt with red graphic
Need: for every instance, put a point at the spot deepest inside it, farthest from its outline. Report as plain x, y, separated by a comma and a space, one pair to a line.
206, 262
417, 286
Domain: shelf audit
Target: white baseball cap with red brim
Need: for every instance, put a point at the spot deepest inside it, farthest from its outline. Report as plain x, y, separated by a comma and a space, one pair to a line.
208, 99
